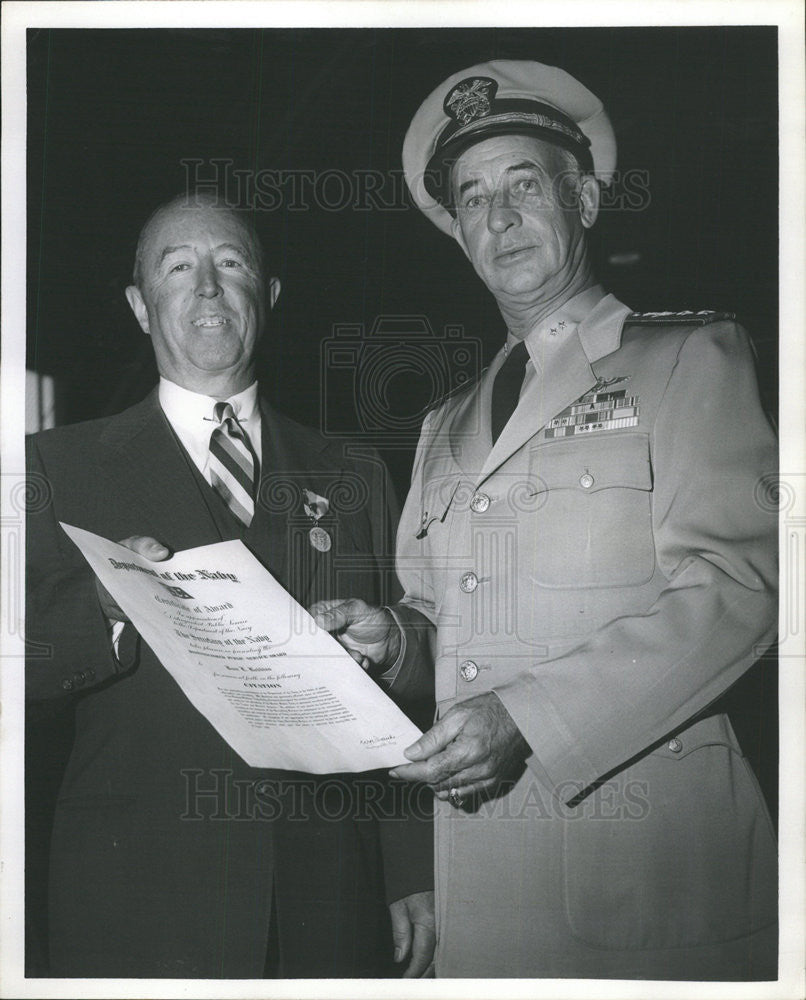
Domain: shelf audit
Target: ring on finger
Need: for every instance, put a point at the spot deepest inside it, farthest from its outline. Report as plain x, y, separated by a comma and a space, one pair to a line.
455, 798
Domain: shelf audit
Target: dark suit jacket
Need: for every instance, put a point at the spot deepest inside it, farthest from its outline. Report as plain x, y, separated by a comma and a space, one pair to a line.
169, 853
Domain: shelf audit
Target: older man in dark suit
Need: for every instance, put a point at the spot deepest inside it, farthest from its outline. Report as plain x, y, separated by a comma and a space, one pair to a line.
170, 856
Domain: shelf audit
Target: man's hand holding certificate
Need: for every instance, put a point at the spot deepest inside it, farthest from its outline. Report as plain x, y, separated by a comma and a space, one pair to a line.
281, 691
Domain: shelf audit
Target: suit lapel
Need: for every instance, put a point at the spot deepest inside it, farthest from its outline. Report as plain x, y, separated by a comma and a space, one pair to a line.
267, 534
150, 469
279, 532
155, 478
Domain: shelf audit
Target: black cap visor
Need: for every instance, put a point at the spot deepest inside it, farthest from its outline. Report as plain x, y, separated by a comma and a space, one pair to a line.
527, 119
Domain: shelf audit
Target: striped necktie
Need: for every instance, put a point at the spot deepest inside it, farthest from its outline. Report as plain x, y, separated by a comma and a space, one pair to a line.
232, 464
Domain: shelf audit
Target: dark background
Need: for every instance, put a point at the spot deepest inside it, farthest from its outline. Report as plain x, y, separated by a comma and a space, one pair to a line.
111, 115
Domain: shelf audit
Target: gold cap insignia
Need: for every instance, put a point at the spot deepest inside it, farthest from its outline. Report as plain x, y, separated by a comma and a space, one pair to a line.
470, 99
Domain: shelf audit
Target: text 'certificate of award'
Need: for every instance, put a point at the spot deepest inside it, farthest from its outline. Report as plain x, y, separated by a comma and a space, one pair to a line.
280, 690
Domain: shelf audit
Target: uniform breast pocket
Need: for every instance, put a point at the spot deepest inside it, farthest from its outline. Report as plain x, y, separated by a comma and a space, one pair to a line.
594, 518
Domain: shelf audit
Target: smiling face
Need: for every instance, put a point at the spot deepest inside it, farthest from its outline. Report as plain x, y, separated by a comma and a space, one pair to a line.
521, 219
200, 297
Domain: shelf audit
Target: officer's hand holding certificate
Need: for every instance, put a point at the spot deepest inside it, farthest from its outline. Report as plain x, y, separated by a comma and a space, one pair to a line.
280, 690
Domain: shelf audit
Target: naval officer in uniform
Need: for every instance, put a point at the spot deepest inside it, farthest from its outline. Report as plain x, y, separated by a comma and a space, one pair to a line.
586, 553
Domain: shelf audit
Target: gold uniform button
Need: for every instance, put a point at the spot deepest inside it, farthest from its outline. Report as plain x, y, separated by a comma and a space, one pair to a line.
468, 583
480, 503
675, 745
469, 671
586, 481
67, 684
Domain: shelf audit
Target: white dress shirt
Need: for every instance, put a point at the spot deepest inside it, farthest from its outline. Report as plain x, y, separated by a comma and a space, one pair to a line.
191, 416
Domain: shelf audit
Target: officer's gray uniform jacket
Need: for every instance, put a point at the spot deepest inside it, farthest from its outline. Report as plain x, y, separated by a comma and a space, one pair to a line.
608, 570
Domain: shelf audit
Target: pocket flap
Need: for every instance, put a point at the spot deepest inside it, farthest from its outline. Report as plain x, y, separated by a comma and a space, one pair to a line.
715, 730
593, 463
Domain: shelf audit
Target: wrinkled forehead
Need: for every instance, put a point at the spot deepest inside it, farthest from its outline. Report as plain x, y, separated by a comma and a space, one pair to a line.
494, 158
202, 226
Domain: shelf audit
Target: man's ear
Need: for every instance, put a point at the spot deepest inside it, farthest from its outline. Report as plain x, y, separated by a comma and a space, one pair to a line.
273, 291
138, 306
456, 231
589, 199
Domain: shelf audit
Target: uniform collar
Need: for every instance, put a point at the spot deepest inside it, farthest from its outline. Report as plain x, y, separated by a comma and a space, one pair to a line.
596, 316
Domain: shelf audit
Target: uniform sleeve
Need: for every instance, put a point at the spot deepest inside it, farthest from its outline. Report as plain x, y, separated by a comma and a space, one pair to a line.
68, 642
404, 812
411, 678
416, 613
642, 676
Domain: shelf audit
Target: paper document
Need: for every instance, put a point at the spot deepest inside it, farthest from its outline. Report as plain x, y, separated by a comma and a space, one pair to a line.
280, 690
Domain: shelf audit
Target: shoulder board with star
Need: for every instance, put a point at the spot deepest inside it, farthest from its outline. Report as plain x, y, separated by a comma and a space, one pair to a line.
700, 318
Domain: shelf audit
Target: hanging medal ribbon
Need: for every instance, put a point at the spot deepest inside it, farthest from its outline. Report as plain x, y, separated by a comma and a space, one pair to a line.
316, 507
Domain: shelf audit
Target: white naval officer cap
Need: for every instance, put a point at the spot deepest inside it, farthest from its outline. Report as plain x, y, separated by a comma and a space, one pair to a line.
502, 97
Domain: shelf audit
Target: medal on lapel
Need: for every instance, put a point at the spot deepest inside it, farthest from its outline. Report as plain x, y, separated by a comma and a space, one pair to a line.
316, 507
